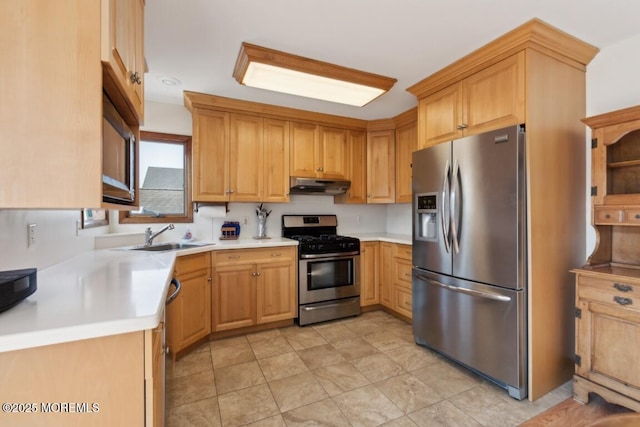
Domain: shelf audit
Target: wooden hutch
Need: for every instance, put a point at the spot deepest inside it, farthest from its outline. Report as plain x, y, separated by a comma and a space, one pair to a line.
608, 286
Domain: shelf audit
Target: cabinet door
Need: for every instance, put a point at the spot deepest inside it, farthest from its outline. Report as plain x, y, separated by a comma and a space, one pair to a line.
246, 158
334, 153
189, 315
276, 291
155, 409
386, 274
123, 49
138, 57
210, 145
381, 167
605, 338
406, 144
495, 97
276, 161
303, 151
233, 299
357, 169
369, 283
440, 116
56, 164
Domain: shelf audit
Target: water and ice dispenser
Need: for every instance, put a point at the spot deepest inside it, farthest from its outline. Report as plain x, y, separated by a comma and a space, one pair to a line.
426, 217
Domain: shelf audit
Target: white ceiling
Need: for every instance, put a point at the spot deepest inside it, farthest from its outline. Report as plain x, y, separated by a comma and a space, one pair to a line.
197, 41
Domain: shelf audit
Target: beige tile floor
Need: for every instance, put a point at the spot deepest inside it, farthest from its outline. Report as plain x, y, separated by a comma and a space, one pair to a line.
362, 371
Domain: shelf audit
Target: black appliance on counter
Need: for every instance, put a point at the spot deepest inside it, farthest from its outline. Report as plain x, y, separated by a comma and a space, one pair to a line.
16, 285
328, 268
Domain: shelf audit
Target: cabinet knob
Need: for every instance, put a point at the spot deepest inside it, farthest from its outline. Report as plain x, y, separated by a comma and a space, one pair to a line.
208, 279
135, 77
276, 254
607, 216
462, 126
637, 216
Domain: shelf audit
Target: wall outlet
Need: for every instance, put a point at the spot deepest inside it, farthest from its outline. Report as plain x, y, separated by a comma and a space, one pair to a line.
245, 220
357, 219
31, 235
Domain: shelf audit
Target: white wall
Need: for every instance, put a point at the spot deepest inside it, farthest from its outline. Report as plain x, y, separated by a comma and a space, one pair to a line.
613, 82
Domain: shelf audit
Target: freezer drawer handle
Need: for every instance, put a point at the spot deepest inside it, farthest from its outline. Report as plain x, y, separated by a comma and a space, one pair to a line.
472, 292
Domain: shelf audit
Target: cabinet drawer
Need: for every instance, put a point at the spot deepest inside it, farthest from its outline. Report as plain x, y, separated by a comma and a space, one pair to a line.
403, 251
402, 273
402, 300
189, 263
253, 255
607, 215
614, 292
632, 216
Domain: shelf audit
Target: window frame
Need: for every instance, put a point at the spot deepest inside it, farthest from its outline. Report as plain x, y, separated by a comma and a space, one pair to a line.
125, 218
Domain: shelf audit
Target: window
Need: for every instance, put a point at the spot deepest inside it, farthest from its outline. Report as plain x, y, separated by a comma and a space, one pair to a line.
165, 180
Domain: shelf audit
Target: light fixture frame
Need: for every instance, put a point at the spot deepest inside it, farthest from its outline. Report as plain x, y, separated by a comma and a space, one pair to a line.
253, 53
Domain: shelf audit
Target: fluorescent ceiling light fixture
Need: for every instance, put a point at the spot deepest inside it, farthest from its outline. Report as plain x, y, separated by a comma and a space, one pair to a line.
282, 72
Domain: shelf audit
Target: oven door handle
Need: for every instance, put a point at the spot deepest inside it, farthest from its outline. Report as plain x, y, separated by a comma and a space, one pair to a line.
331, 255
321, 307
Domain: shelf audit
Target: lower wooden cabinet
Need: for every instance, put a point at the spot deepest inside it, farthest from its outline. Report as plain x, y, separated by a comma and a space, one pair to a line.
253, 286
189, 315
154, 368
369, 281
401, 300
386, 274
115, 380
391, 264
608, 335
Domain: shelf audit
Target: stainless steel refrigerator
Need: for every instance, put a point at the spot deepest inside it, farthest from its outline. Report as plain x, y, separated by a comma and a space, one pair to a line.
469, 254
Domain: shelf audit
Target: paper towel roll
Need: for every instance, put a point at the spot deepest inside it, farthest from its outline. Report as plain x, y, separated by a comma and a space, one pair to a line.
212, 211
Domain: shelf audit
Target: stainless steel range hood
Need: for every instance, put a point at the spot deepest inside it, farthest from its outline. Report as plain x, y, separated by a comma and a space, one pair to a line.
320, 186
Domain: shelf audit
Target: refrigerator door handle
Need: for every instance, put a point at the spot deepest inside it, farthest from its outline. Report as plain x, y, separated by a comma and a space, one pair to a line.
443, 213
472, 292
454, 207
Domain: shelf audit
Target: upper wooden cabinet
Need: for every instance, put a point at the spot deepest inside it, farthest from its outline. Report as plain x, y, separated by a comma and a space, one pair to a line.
406, 144
381, 157
318, 151
615, 157
210, 147
276, 167
123, 50
489, 99
535, 75
357, 169
246, 158
246, 152
53, 55
51, 105
240, 158
615, 186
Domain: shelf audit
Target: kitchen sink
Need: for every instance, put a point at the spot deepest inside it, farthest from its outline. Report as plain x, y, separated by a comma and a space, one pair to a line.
169, 246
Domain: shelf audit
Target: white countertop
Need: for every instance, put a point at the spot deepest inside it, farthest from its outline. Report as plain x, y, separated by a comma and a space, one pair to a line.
404, 239
94, 294
99, 293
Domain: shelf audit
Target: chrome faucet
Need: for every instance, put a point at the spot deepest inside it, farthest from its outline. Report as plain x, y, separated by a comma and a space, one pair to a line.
149, 235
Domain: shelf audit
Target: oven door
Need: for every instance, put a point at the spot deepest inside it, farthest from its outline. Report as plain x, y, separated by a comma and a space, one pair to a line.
330, 278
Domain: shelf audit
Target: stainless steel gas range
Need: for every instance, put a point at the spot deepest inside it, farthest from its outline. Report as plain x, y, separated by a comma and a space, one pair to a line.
328, 268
